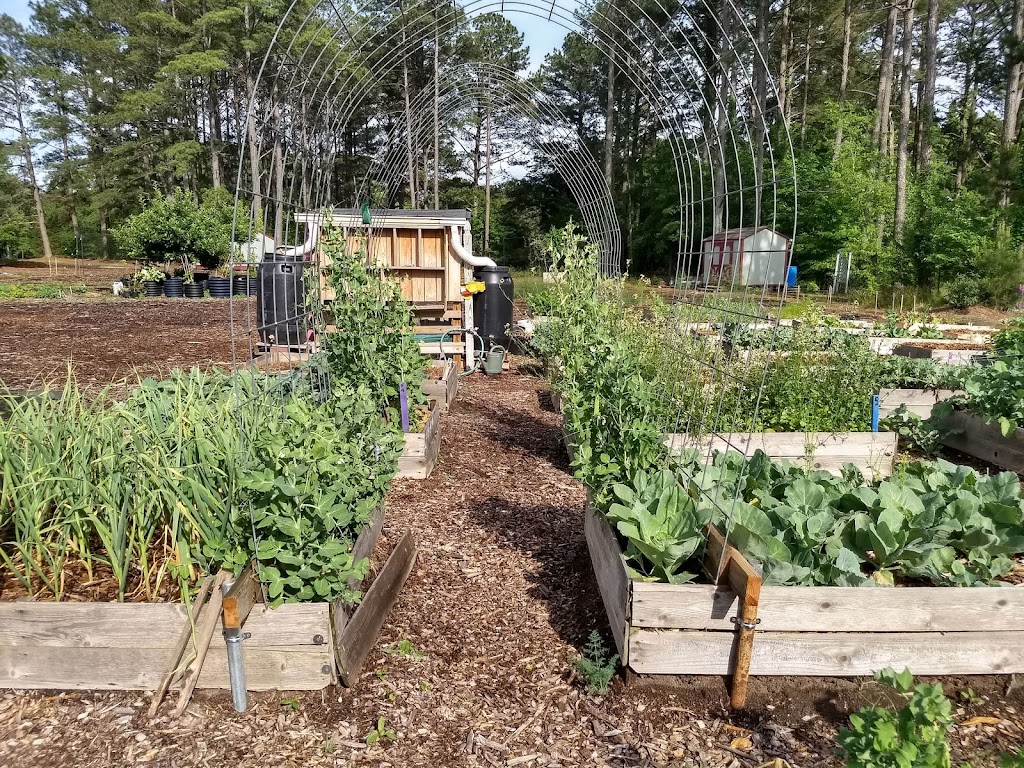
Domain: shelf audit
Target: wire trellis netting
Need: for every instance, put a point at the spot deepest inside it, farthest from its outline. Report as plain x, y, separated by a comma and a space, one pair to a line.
323, 150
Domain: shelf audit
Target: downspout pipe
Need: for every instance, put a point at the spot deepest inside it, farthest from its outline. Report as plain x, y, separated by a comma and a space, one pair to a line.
304, 250
463, 253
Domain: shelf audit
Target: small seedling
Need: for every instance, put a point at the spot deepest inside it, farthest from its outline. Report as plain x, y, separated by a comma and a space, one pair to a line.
330, 747
380, 731
291, 703
970, 697
595, 667
404, 648
424, 686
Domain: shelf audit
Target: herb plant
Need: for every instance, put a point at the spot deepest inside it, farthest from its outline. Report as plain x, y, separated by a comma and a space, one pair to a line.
595, 666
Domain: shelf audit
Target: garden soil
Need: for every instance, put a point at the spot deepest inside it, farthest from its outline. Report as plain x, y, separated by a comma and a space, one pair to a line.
501, 598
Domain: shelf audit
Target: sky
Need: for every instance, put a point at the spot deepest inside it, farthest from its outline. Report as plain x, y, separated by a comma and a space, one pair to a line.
542, 36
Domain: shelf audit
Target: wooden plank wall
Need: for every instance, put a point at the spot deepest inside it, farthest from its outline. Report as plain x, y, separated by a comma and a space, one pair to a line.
127, 646
421, 449
918, 401
985, 441
612, 579
874, 453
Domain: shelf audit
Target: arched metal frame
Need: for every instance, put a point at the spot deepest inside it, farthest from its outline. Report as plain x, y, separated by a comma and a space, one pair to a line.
730, 147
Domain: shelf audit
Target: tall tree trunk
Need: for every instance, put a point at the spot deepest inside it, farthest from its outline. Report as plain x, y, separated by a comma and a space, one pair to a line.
437, 119
278, 180
487, 185
609, 119
725, 93
408, 129
215, 134
807, 75
1012, 100
760, 85
844, 75
926, 103
478, 146
902, 159
785, 52
967, 108
30, 172
880, 132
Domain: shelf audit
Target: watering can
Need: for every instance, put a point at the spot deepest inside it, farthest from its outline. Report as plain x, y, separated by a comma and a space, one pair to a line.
494, 359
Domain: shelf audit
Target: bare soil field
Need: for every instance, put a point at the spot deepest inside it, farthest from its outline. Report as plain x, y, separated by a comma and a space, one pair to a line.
110, 341
99, 276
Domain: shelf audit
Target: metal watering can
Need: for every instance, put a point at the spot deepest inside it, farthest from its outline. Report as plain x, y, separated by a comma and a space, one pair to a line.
494, 359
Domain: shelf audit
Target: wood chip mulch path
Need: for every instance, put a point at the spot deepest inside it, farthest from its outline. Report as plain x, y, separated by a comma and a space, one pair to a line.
501, 597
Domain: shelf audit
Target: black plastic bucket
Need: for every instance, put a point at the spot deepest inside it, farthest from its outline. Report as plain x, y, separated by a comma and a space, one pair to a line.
153, 288
174, 287
253, 286
219, 287
240, 285
193, 290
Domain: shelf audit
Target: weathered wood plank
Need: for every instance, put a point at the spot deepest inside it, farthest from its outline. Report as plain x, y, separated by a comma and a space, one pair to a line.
420, 452
340, 611
140, 669
676, 652
918, 401
833, 609
144, 625
445, 388
985, 441
240, 599
361, 631
963, 355
612, 579
871, 452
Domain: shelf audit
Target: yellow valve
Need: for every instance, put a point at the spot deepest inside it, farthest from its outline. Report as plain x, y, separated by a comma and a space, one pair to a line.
475, 287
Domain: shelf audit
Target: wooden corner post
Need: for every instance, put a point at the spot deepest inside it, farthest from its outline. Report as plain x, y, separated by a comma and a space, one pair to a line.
722, 560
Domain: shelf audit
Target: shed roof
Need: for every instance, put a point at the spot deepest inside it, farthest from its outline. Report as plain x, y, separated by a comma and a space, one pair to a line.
742, 233
391, 217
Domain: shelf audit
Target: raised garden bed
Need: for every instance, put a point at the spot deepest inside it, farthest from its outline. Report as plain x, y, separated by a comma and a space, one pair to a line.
948, 352
871, 452
131, 646
444, 387
421, 448
918, 401
984, 441
687, 629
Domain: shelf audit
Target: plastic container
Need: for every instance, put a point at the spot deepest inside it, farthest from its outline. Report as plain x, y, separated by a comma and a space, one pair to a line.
174, 288
494, 360
219, 287
153, 288
492, 307
281, 301
193, 290
791, 278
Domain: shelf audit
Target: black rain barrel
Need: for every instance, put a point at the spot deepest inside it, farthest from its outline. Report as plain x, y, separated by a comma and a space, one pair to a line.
281, 301
492, 307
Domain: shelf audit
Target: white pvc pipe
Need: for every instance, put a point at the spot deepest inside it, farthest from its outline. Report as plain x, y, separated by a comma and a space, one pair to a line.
301, 251
463, 253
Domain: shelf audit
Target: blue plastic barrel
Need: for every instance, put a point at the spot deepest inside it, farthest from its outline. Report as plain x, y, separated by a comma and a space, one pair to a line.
791, 278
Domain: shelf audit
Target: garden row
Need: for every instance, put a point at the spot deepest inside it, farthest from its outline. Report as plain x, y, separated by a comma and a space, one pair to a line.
272, 484
683, 530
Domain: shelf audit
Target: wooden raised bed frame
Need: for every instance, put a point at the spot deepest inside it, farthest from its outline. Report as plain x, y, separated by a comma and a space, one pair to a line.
985, 441
421, 448
686, 629
873, 453
918, 401
128, 646
961, 354
444, 389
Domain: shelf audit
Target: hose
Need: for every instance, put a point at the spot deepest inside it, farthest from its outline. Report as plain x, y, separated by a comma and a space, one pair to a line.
478, 356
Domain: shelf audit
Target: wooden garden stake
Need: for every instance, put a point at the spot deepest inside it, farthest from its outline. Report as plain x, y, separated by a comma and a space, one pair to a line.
186, 635
204, 634
721, 559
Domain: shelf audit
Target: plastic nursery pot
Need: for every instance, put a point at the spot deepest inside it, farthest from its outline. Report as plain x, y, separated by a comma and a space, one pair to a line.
240, 285
174, 288
253, 285
153, 288
193, 290
219, 287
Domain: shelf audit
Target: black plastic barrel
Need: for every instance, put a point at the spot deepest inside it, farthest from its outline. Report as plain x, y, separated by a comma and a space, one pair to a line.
219, 287
174, 288
281, 301
492, 308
